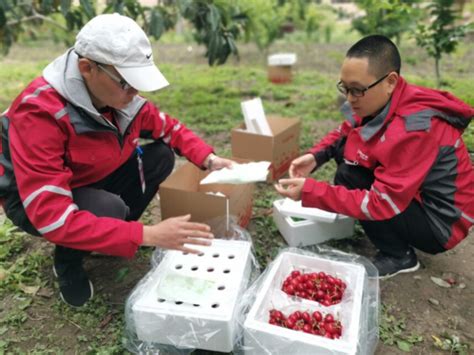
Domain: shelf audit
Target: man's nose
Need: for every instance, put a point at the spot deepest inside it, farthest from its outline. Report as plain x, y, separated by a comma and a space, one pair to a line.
351, 98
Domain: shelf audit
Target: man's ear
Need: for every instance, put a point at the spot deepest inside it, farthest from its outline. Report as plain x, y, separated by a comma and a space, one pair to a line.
392, 81
86, 68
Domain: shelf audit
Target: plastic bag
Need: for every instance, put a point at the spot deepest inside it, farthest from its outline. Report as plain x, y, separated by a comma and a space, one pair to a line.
239, 174
189, 301
357, 311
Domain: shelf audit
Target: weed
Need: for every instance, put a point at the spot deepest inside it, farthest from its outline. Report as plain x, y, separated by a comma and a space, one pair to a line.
450, 343
393, 330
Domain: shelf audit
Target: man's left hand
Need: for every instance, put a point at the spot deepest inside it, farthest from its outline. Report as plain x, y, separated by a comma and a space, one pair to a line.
290, 188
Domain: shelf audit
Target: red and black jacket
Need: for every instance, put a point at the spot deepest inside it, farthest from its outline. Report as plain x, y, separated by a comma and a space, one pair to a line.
51, 145
415, 149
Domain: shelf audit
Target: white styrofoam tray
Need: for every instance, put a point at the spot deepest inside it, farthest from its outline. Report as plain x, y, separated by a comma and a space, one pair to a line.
261, 337
190, 300
309, 232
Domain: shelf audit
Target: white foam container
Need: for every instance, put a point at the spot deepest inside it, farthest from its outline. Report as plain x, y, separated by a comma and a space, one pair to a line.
260, 337
208, 324
282, 59
309, 232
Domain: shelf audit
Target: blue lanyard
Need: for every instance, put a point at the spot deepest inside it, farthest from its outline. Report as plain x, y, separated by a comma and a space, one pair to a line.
140, 167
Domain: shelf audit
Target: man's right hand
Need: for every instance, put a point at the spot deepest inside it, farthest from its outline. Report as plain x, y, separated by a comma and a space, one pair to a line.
302, 166
175, 232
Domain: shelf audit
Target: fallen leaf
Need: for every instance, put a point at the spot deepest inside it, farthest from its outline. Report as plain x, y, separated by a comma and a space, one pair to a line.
3, 274
106, 320
437, 341
29, 290
45, 292
433, 301
440, 282
121, 274
404, 346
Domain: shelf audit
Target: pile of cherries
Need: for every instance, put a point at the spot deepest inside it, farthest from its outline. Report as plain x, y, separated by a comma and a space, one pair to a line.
315, 286
315, 323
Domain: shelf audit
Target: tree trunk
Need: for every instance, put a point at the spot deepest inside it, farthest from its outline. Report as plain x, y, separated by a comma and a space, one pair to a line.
438, 76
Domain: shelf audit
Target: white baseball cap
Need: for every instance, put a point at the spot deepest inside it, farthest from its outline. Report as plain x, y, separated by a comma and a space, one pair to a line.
118, 40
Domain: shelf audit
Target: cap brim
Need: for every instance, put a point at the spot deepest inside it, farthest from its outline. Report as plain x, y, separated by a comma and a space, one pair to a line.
144, 78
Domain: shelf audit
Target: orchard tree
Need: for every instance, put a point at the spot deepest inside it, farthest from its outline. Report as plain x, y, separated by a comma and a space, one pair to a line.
390, 18
441, 35
217, 23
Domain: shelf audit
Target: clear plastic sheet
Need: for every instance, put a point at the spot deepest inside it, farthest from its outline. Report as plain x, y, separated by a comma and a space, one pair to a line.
357, 311
190, 301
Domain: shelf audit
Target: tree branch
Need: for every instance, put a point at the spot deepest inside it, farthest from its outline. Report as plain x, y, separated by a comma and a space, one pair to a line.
37, 16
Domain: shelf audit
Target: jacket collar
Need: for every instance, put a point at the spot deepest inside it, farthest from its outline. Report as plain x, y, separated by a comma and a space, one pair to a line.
383, 117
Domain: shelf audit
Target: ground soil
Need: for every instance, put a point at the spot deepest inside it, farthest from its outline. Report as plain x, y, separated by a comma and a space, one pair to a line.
411, 294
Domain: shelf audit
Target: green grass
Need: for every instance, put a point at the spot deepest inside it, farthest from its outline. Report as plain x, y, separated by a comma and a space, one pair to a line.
208, 101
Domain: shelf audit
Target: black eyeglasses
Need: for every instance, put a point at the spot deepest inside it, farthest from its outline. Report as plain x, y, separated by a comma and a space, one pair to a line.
123, 84
356, 92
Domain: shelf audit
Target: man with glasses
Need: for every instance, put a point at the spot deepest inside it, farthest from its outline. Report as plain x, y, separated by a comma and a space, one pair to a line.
71, 166
403, 169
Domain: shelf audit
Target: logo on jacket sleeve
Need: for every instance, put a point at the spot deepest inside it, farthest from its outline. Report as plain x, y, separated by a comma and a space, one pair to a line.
361, 155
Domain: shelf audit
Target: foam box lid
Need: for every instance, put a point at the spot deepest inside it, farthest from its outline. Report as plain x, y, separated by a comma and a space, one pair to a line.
294, 209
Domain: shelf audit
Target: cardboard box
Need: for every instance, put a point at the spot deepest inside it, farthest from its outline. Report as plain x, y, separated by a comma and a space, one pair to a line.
181, 194
190, 300
280, 149
260, 337
279, 67
280, 74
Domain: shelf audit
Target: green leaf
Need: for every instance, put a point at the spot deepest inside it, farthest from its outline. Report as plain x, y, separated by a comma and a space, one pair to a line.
47, 6
65, 6
3, 18
403, 345
156, 28
121, 274
88, 8
213, 18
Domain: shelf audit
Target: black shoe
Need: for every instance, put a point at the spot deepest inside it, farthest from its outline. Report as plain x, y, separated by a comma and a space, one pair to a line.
75, 287
389, 266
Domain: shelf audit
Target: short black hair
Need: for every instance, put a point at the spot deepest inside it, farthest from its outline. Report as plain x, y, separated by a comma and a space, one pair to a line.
382, 53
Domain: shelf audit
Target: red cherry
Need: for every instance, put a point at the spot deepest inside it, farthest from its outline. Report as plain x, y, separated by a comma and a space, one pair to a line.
295, 273
290, 323
306, 317
317, 316
329, 318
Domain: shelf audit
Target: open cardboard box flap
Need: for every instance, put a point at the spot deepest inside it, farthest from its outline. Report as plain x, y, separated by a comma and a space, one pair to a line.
280, 148
181, 194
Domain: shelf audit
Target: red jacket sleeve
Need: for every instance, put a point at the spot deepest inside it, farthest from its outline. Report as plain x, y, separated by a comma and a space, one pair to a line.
325, 149
174, 133
402, 170
37, 146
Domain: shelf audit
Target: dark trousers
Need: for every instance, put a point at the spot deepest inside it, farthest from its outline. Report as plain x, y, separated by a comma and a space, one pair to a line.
397, 235
118, 195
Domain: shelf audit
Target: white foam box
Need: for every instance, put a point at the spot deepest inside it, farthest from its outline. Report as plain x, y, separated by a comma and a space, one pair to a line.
261, 337
308, 232
191, 299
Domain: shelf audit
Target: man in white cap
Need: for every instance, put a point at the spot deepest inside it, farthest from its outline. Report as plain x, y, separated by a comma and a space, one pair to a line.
71, 167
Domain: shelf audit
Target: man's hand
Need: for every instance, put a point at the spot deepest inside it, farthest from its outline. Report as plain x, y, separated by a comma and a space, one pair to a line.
302, 166
173, 233
214, 162
290, 188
